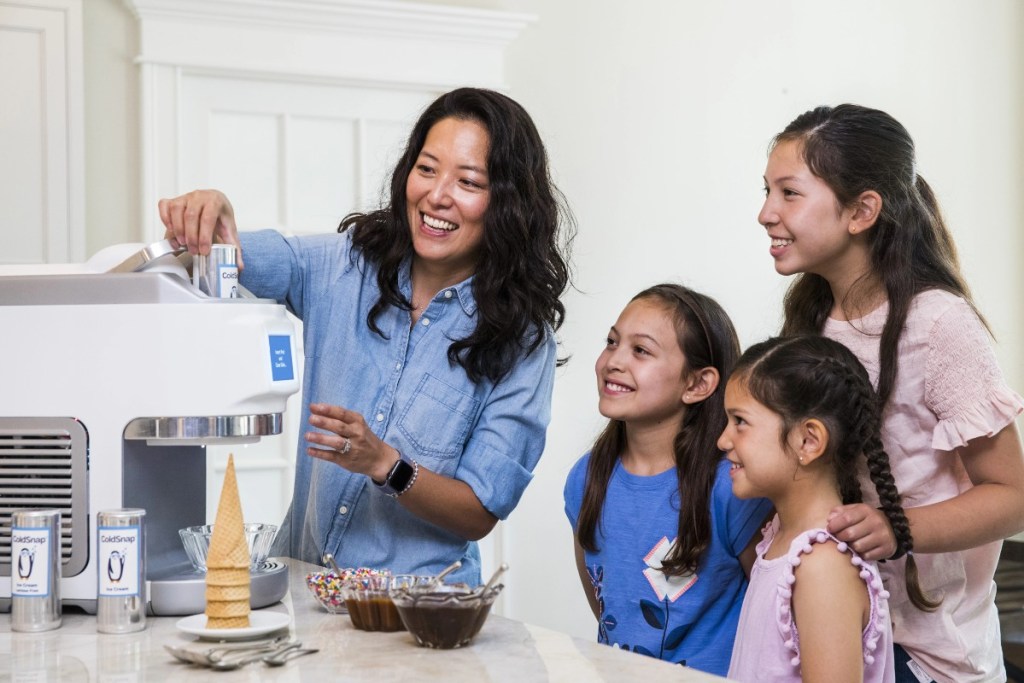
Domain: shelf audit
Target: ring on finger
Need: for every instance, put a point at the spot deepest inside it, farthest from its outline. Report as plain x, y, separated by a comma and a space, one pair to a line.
347, 447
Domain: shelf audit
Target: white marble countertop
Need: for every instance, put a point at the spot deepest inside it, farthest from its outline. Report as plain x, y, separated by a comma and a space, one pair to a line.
504, 650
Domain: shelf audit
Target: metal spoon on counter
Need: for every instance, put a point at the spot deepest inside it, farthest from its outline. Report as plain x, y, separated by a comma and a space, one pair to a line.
282, 658
193, 655
235, 662
227, 650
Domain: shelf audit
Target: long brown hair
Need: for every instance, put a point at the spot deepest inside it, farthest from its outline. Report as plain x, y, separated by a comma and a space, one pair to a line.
815, 377
524, 265
854, 149
707, 338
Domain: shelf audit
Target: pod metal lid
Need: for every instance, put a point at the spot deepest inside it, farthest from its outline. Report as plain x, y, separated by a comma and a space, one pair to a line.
161, 251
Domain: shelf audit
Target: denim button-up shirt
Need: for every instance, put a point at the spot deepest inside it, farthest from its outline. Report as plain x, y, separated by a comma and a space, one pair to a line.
488, 435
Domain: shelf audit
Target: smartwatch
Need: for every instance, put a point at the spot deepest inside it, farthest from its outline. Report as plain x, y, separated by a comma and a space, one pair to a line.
400, 479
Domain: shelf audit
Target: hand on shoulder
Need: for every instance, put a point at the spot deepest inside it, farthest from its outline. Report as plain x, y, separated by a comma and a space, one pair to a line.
865, 529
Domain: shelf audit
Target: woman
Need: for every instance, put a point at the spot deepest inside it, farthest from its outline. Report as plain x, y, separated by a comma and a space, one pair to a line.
429, 340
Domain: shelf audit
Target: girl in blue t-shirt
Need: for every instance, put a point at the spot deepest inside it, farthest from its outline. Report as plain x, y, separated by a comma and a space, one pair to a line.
662, 546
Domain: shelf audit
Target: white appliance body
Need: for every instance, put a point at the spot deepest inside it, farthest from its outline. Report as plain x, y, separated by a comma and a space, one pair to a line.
134, 361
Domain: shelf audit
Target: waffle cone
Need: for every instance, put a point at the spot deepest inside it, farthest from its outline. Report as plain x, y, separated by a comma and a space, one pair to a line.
228, 548
222, 593
228, 622
227, 577
228, 608
227, 561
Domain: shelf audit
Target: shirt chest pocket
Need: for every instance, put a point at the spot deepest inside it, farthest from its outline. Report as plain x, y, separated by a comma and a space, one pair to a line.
437, 418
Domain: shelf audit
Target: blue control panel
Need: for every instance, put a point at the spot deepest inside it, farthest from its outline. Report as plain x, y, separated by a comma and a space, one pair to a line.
281, 365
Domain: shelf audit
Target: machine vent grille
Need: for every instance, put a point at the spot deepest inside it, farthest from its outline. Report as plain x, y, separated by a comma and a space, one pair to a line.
43, 465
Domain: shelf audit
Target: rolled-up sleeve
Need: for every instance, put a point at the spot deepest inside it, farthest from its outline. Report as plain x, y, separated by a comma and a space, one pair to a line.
509, 436
280, 268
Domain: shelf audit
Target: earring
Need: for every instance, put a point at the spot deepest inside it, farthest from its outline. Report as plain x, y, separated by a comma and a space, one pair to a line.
801, 459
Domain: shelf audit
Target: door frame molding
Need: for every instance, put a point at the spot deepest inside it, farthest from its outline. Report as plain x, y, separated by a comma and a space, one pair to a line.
59, 65
393, 45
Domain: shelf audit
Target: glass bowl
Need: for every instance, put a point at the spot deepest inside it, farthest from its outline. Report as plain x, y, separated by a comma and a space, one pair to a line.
444, 617
328, 586
369, 607
196, 540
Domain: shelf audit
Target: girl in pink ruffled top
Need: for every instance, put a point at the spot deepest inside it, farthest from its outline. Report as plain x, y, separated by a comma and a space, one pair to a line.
876, 269
803, 420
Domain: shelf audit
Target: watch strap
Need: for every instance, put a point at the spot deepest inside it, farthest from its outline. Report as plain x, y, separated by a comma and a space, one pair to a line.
400, 478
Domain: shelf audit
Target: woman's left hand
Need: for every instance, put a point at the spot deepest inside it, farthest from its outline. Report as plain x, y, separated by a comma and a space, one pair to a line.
347, 441
863, 528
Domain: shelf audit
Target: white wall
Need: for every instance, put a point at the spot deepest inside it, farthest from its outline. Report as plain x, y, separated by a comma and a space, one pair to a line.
657, 115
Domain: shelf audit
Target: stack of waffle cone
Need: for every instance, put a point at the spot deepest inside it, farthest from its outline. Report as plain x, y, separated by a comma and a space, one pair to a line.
227, 561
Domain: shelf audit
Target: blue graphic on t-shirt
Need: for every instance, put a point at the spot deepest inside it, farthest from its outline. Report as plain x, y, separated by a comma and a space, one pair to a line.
689, 618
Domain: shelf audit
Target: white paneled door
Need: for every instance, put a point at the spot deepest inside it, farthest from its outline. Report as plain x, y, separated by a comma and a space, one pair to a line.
298, 112
41, 142
292, 156
295, 157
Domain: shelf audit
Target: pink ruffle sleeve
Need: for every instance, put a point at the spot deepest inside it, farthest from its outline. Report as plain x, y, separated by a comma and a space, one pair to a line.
964, 386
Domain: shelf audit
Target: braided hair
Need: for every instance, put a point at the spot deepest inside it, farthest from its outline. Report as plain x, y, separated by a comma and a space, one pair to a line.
815, 377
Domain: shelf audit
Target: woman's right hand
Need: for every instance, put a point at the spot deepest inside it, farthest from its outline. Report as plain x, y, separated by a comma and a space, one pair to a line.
196, 219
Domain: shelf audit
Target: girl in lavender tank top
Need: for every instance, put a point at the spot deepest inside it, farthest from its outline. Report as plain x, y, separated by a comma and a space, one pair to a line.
803, 420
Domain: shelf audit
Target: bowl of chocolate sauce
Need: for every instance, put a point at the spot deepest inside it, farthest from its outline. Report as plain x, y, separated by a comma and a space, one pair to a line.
446, 616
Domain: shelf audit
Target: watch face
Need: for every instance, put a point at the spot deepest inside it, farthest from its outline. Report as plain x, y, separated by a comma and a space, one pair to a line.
401, 476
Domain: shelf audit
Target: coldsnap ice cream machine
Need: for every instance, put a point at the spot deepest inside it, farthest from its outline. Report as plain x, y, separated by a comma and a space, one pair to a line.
114, 375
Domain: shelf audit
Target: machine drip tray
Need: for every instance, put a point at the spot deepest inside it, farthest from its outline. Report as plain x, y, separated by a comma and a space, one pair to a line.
183, 591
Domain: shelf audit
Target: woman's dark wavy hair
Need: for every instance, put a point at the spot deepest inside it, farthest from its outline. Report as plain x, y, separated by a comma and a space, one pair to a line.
524, 262
707, 339
809, 376
854, 149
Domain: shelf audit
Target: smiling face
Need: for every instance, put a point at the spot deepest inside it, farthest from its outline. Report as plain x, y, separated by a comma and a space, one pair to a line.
640, 372
761, 465
809, 232
447, 193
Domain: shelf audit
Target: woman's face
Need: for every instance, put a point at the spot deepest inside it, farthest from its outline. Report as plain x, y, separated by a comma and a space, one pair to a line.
447, 193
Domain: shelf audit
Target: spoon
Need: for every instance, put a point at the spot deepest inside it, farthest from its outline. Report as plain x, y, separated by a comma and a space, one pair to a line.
199, 656
227, 650
282, 658
329, 561
445, 572
494, 577
249, 658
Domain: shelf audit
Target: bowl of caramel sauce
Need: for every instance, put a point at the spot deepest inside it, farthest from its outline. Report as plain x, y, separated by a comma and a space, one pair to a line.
444, 616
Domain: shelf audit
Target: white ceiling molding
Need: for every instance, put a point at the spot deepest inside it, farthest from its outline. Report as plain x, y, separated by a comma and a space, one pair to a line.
380, 16
383, 45
364, 40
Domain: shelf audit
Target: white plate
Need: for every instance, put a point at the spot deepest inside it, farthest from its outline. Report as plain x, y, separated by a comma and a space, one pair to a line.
260, 624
